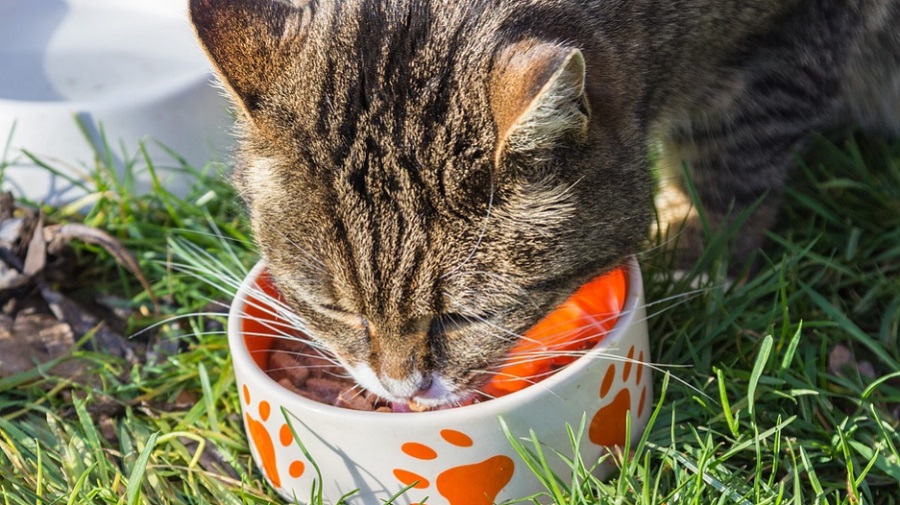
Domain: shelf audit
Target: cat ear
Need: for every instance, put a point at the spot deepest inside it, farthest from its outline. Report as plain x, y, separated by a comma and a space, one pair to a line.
538, 97
246, 41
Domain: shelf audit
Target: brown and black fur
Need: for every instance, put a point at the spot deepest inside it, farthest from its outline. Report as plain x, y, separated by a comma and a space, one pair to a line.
427, 178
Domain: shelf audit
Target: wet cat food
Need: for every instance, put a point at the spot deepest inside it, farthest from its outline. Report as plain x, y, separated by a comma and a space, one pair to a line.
300, 368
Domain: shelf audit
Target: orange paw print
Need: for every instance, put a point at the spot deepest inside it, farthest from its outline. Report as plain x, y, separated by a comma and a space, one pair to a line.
475, 484
262, 440
608, 424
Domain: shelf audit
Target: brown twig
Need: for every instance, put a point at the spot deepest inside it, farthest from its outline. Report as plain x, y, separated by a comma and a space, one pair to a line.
58, 234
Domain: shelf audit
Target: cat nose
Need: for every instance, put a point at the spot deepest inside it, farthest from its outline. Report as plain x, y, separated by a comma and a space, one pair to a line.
435, 390
424, 385
411, 386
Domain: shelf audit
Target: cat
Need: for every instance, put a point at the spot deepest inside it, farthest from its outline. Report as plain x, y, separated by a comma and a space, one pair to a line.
426, 179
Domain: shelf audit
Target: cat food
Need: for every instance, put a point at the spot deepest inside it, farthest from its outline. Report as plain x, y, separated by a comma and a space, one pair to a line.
299, 368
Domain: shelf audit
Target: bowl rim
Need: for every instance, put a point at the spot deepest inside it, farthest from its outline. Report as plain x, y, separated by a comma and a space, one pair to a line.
254, 377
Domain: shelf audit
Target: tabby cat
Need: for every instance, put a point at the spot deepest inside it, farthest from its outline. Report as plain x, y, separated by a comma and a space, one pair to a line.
427, 178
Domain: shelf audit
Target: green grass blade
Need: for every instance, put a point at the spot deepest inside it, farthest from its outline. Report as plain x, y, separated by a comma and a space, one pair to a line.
133, 491
758, 368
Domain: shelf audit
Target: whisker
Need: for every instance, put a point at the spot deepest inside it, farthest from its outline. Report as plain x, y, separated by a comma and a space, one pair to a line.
226, 242
522, 295
486, 395
199, 257
332, 371
291, 338
531, 383
274, 315
481, 233
493, 275
175, 319
316, 263
221, 238
295, 367
208, 234
256, 298
658, 367
594, 319
513, 336
356, 390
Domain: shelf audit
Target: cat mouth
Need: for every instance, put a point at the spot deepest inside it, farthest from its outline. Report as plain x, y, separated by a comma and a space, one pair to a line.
439, 395
441, 400
426, 403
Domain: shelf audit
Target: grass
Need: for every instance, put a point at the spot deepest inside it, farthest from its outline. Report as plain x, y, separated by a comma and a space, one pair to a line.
749, 411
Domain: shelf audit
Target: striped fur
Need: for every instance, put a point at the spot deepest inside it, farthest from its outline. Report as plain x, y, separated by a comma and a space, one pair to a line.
426, 178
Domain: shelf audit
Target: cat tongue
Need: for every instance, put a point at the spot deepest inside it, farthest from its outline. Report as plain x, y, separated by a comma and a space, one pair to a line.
400, 407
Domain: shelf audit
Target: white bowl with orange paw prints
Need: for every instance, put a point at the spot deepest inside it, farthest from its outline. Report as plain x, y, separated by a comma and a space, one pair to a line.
456, 456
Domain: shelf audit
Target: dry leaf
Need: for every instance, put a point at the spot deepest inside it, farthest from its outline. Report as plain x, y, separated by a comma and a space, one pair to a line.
32, 339
83, 323
59, 234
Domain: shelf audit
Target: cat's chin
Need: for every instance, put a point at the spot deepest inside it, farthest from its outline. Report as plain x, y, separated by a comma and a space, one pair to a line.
439, 395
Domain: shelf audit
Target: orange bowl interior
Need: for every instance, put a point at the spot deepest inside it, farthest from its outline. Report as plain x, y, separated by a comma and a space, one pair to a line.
260, 323
577, 325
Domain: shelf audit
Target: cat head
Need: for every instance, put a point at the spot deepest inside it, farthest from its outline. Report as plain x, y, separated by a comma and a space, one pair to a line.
424, 179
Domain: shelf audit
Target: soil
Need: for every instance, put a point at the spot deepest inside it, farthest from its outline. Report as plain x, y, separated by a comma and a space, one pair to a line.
44, 307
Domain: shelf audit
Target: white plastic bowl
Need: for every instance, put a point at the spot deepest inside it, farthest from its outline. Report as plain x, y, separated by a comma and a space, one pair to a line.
130, 69
458, 456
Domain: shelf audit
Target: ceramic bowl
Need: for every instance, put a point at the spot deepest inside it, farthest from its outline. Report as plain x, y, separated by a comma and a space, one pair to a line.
75, 71
457, 456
